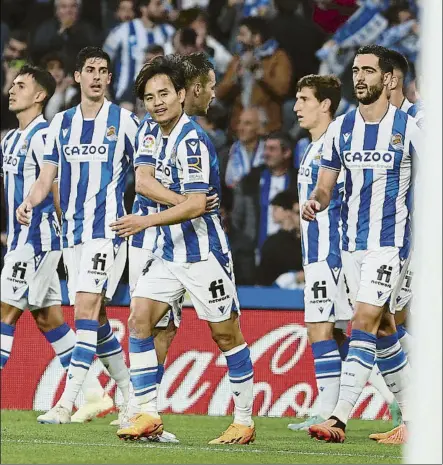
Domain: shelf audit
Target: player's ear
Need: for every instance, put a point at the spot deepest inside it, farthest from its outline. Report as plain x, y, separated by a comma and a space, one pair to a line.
394, 82
77, 77
325, 105
109, 78
387, 79
181, 95
40, 96
197, 89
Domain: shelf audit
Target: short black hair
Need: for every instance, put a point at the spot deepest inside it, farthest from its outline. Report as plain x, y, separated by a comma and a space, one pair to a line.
53, 56
160, 65
91, 52
155, 49
382, 53
324, 87
20, 35
196, 66
257, 25
42, 77
399, 61
285, 199
285, 141
187, 36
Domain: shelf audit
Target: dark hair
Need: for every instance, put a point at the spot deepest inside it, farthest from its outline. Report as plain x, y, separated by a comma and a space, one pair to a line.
42, 77
187, 36
324, 87
143, 3
155, 49
52, 56
196, 66
188, 16
285, 199
160, 65
257, 25
382, 53
20, 35
91, 52
398, 61
285, 142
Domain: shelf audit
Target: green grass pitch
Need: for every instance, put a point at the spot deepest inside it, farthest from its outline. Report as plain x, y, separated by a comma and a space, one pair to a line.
23, 440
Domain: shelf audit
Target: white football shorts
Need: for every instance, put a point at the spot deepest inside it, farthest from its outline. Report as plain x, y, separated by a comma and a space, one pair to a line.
325, 294
401, 297
94, 266
31, 281
139, 259
210, 284
372, 275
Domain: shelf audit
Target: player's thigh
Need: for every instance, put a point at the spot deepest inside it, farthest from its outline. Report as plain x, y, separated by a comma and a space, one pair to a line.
380, 274
10, 314
138, 258
210, 285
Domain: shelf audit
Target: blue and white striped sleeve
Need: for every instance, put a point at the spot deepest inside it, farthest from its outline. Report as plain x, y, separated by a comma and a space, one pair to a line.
330, 157
193, 156
146, 146
52, 146
131, 128
113, 41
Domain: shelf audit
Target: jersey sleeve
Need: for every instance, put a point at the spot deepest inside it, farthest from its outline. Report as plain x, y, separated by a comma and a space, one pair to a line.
193, 156
415, 137
330, 158
131, 128
37, 146
113, 41
51, 152
146, 145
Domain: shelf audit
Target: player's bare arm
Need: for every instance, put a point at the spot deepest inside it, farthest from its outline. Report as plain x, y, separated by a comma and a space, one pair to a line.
39, 191
56, 195
321, 195
149, 187
193, 207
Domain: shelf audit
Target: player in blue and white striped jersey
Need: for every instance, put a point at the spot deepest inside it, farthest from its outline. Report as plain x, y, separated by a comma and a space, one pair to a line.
29, 277
326, 303
90, 149
192, 253
376, 145
126, 44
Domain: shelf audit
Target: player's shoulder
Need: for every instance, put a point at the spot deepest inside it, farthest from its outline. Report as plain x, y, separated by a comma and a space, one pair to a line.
9, 134
126, 116
336, 124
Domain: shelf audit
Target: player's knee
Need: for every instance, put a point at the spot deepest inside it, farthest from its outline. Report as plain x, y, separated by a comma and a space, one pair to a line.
387, 325
48, 319
87, 306
139, 323
10, 314
224, 340
319, 332
367, 317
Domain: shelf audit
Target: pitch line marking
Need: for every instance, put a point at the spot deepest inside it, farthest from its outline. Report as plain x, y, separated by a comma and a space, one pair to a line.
194, 448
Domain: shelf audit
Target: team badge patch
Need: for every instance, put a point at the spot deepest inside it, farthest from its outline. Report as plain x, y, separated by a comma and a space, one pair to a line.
111, 133
149, 144
24, 147
397, 141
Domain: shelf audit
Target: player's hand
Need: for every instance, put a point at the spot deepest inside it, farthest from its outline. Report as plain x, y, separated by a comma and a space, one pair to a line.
129, 225
309, 209
211, 203
24, 213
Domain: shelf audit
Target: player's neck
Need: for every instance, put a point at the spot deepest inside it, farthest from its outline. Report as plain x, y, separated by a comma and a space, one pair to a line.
319, 130
374, 112
91, 108
168, 126
26, 117
397, 98
147, 22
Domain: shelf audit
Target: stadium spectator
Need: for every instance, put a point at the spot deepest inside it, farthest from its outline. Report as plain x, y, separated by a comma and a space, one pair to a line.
252, 220
125, 11
185, 41
331, 14
281, 252
66, 33
214, 123
127, 43
65, 90
260, 75
4, 35
248, 151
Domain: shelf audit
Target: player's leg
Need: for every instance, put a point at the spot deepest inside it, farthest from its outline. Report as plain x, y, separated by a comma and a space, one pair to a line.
371, 276
321, 302
9, 317
155, 291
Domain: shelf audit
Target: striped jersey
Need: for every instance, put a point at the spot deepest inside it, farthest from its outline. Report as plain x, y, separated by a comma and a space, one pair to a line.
21, 159
147, 138
321, 237
93, 157
377, 158
415, 110
126, 45
186, 162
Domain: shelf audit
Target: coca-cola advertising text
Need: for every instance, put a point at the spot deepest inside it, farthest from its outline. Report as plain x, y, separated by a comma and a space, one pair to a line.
196, 378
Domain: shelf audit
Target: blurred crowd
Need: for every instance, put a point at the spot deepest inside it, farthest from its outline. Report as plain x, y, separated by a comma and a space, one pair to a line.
259, 48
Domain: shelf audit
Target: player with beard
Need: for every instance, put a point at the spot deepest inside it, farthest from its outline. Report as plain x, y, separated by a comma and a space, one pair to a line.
376, 145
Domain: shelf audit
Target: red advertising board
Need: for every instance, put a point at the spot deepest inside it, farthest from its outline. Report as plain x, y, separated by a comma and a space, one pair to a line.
195, 379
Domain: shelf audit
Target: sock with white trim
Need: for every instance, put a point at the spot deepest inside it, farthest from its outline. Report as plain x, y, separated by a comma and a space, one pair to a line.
7, 339
241, 375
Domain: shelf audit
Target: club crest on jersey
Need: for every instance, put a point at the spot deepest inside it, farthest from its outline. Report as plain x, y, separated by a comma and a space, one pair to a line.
111, 133
24, 148
397, 141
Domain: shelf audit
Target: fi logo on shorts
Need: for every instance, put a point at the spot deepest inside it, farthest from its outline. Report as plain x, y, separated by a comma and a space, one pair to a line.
383, 276
99, 261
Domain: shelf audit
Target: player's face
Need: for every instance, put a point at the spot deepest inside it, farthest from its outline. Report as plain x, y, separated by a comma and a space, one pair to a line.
162, 101
206, 95
94, 78
307, 108
24, 93
369, 80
